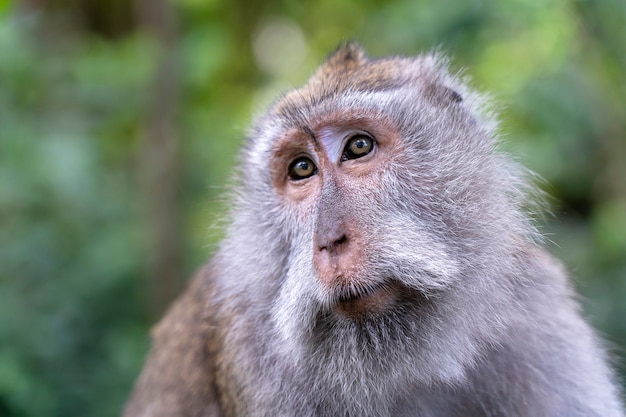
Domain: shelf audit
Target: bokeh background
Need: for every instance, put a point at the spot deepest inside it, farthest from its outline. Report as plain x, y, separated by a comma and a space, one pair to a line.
120, 121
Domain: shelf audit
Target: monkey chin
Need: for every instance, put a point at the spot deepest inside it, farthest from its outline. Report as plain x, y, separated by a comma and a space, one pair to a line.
372, 302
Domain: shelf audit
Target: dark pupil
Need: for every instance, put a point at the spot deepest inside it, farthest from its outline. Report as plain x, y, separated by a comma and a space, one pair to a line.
302, 167
360, 143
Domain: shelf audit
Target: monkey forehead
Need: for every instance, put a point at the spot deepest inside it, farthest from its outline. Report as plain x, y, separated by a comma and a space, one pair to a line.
378, 84
330, 121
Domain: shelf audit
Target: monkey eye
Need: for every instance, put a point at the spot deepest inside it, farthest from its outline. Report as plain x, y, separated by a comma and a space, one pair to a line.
357, 146
302, 168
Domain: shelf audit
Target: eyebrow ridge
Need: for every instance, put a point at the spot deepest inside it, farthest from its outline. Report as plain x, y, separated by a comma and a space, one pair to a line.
310, 132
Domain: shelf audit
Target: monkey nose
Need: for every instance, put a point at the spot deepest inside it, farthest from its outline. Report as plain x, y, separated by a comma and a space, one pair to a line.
330, 235
333, 258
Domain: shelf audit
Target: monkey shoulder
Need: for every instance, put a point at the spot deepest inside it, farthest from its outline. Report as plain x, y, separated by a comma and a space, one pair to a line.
546, 350
178, 378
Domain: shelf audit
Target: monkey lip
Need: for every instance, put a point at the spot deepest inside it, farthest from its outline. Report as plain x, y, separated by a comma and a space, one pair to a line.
373, 299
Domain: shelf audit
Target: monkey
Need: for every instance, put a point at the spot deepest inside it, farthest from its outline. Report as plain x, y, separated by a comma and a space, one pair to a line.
379, 260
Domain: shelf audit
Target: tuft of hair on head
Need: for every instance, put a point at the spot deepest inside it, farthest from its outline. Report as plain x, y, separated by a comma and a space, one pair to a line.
348, 56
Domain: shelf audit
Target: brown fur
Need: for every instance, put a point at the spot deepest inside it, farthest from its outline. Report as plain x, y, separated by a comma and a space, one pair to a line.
179, 375
348, 68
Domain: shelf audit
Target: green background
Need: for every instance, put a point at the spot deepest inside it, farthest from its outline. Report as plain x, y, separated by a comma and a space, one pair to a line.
120, 121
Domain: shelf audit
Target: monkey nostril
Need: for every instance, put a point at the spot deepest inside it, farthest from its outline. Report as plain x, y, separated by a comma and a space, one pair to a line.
334, 244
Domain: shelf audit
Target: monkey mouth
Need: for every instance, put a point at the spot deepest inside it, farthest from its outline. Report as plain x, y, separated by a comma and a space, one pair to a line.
357, 301
354, 293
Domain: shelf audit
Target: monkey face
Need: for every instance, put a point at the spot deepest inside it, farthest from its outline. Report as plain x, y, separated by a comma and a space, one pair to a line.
337, 171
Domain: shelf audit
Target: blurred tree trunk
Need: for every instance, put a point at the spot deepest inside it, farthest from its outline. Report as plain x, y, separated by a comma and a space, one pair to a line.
159, 166
159, 157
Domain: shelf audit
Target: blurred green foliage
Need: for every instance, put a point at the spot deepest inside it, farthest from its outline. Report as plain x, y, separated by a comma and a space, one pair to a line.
78, 80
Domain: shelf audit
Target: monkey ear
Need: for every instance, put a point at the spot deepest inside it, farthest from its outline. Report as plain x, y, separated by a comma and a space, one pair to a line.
441, 95
347, 56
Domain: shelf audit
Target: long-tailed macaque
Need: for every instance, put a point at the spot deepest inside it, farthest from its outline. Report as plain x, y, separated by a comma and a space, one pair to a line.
378, 262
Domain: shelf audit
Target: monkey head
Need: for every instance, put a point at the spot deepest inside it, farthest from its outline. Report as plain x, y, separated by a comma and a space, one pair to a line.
378, 209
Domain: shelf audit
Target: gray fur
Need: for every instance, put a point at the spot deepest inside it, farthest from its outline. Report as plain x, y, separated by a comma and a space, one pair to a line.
490, 326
